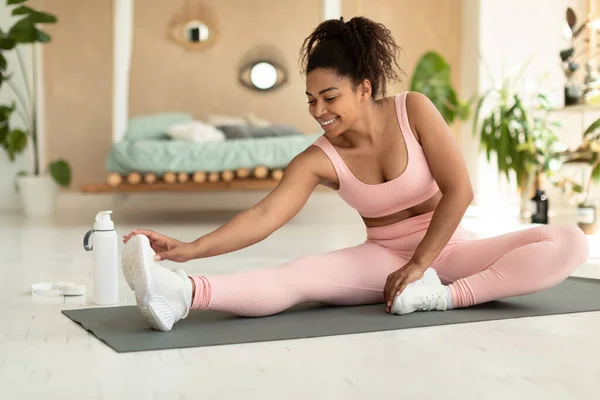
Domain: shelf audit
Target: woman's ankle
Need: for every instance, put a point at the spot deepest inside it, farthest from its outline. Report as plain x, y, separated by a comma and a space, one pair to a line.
193, 287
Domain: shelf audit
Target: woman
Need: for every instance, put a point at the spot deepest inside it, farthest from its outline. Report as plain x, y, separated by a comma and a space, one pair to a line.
395, 161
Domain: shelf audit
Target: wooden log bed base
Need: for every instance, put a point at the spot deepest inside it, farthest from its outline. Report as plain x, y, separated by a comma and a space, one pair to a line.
259, 178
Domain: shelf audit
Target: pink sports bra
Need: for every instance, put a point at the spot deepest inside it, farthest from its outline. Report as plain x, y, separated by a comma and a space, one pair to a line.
412, 187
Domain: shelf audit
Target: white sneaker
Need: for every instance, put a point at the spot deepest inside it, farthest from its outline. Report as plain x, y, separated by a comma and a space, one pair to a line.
163, 296
426, 294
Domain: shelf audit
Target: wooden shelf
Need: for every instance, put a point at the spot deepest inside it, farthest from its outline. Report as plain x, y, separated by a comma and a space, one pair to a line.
239, 184
577, 108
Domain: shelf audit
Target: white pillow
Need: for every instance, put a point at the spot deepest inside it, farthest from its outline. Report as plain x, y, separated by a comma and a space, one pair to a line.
195, 131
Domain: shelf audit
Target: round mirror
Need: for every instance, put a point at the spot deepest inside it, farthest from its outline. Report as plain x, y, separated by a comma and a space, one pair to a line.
263, 75
196, 32
193, 34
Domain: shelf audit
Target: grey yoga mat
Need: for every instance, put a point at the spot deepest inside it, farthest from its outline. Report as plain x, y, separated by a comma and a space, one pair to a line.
124, 329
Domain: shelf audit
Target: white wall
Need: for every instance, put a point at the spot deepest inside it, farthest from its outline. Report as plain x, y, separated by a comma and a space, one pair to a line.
9, 200
510, 32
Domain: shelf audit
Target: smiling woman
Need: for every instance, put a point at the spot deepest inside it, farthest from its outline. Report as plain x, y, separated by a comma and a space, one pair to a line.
396, 162
342, 53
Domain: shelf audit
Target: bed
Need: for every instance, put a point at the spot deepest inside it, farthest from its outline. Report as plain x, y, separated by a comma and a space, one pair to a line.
148, 158
162, 156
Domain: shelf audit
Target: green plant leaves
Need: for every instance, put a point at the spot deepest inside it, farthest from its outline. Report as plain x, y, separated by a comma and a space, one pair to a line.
3, 135
37, 17
42, 36
544, 102
432, 78
463, 112
576, 187
596, 174
61, 172
507, 131
592, 132
6, 42
25, 30
15, 143
5, 113
478, 110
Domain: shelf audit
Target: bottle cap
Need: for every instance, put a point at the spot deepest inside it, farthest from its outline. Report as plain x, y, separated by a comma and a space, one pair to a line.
103, 221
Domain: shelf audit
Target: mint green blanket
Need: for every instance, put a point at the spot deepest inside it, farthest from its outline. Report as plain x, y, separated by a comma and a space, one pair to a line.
160, 156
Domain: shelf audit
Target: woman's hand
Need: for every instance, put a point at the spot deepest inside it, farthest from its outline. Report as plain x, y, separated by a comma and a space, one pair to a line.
398, 280
166, 248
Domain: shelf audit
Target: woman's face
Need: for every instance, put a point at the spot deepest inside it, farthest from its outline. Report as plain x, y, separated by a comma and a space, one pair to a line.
332, 101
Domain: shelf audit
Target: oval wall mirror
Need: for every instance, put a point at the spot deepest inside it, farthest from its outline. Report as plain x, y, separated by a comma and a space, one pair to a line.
262, 75
196, 31
194, 27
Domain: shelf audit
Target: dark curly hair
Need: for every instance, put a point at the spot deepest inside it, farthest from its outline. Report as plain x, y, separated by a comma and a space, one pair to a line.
359, 49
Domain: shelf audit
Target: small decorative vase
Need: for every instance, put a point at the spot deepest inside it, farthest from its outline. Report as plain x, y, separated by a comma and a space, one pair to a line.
587, 218
38, 194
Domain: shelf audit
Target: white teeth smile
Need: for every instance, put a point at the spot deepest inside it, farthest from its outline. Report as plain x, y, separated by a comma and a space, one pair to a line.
329, 121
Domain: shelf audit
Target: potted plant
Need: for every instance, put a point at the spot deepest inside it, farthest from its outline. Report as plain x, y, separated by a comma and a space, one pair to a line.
521, 136
587, 209
432, 78
37, 187
587, 153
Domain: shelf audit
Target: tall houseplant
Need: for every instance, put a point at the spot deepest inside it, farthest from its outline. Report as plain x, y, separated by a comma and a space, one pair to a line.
37, 189
520, 135
432, 78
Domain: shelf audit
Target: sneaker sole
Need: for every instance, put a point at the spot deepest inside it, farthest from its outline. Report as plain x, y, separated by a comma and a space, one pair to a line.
136, 268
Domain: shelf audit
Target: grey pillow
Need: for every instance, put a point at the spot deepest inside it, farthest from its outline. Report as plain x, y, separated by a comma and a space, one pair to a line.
274, 130
246, 131
235, 131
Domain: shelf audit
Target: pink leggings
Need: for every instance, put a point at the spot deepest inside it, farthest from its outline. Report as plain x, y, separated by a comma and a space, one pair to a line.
477, 271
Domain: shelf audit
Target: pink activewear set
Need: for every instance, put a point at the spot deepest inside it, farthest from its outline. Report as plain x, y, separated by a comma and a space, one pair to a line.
475, 270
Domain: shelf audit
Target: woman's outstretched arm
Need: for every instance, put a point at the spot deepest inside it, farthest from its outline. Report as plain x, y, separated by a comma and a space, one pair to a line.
254, 224
271, 213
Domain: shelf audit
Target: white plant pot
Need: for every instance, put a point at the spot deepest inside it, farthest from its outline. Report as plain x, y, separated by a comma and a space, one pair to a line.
38, 195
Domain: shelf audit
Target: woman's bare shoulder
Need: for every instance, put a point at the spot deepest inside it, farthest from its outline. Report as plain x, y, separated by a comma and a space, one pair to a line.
314, 159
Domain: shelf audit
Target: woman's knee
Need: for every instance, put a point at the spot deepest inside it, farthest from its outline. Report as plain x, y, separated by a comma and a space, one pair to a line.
571, 243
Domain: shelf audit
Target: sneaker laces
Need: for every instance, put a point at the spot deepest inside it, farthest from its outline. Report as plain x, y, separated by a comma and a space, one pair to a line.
432, 301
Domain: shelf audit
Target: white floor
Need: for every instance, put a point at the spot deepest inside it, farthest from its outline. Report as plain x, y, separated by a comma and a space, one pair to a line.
44, 355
